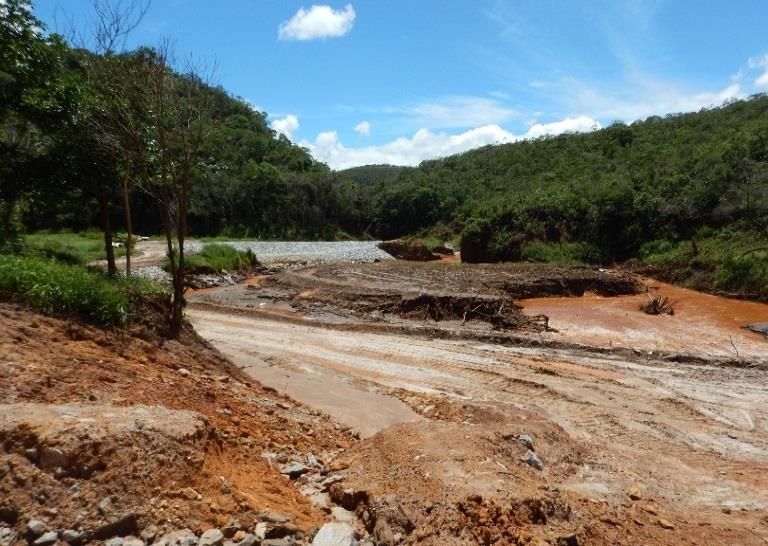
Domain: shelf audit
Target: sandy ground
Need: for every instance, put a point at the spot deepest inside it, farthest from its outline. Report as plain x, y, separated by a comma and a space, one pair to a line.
692, 437
145, 254
658, 409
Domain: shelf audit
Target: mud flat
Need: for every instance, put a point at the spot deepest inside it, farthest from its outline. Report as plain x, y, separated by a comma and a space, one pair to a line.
512, 435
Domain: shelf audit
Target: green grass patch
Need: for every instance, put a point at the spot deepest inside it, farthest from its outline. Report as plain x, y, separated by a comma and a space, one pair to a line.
72, 290
215, 258
70, 248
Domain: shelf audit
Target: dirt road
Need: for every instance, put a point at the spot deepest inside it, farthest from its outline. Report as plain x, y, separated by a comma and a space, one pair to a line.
145, 254
694, 438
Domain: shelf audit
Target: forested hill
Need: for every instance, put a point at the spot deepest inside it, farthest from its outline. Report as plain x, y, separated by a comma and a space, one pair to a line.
79, 130
370, 175
610, 191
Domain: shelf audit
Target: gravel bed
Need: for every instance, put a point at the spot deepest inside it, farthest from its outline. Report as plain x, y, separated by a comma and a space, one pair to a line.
153, 272
306, 252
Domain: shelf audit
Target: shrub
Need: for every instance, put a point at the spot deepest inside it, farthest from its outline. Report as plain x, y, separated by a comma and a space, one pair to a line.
482, 242
567, 254
746, 272
62, 289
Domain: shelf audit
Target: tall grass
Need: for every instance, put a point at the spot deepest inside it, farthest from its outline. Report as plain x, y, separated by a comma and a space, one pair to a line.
57, 288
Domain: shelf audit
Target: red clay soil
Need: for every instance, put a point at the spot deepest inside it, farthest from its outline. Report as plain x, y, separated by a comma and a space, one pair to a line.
701, 324
218, 476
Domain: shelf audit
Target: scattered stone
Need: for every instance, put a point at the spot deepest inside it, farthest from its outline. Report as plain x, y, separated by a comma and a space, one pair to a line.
7, 536
260, 531
224, 484
149, 533
185, 537
189, 494
36, 528
320, 500
231, 529
275, 518
294, 470
52, 457
211, 537
71, 536
249, 540
665, 524
105, 505
131, 540
288, 541
526, 440
335, 534
183, 371
47, 538
114, 541
634, 493
312, 460
533, 460
343, 516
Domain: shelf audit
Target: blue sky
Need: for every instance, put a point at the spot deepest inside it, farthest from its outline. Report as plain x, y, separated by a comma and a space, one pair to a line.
399, 81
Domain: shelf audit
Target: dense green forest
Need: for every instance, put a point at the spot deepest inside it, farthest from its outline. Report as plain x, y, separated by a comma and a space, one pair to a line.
371, 175
67, 112
682, 190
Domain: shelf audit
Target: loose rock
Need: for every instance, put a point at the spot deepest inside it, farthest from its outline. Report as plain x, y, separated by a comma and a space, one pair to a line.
634, 493
533, 460
211, 537
526, 440
46, 538
294, 470
105, 505
71, 536
132, 541
335, 534
36, 527
665, 524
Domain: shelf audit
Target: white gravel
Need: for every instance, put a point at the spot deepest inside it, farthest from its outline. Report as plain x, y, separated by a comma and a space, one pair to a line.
306, 251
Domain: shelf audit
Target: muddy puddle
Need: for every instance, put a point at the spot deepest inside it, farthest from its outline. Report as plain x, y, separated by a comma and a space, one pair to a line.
702, 323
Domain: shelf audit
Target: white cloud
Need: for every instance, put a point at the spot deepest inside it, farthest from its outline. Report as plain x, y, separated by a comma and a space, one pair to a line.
581, 124
645, 98
363, 129
760, 62
317, 22
287, 125
425, 144
458, 111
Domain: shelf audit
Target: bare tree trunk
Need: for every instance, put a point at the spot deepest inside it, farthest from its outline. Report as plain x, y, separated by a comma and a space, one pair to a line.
107, 227
128, 226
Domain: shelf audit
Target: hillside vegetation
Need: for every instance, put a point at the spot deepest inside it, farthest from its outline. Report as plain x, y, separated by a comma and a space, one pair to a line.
648, 190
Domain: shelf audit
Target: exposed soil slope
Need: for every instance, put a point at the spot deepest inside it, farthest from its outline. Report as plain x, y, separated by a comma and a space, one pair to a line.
108, 433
